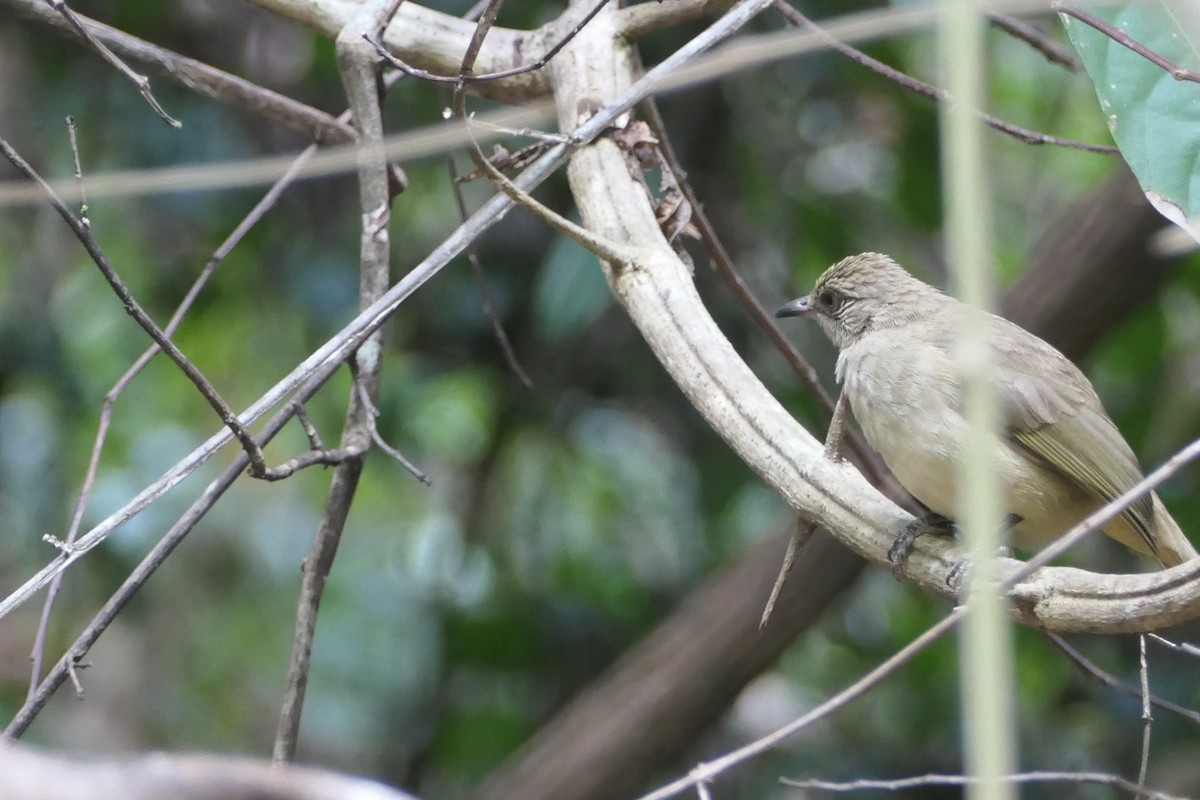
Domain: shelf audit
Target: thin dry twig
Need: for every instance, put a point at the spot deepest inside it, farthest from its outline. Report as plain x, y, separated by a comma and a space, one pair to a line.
252, 218
1147, 717
73, 668
1092, 670
83, 206
801, 534
1025, 135
140, 82
485, 292
708, 771
258, 466
39, 639
487, 18
1179, 647
201, 78
134, 309
397, 456
1125, 40
358, 70
310, 430
804, 530
899, 784
70, 660
1036, 38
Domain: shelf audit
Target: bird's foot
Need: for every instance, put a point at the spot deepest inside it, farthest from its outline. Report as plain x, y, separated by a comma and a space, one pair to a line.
956, 578
930, 523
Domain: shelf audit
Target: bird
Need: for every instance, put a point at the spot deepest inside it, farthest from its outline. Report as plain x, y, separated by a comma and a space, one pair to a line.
1058, 455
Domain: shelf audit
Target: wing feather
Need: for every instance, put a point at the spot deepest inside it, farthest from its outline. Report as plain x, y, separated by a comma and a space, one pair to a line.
1052, 412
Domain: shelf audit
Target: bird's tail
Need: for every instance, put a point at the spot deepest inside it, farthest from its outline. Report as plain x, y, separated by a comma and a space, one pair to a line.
1173, 546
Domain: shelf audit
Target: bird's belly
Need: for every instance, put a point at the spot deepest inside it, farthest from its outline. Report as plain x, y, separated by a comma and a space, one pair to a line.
919, 432
917, 437
923, 460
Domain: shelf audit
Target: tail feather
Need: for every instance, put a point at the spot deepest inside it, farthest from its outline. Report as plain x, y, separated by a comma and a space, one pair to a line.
1173, 546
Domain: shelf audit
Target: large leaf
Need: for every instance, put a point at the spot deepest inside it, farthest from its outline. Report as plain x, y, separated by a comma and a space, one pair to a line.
1154, 118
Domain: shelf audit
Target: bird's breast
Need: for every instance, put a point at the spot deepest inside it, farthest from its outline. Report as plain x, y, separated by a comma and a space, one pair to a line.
906, 404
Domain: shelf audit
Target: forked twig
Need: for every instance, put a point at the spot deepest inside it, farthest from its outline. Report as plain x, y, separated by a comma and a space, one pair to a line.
357, 68
140, 82
1089, 668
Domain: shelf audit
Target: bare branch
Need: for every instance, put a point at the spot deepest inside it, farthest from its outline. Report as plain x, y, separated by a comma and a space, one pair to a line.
357, 67
1025, 135
83, 232
485, 293
802, 533
1089, 668
201, 78
1147, 717
1179, 647
140, 82
83, 206
396, 455
149, 564
252, 218
319, 365
1125, 40
1036, 38
704, 773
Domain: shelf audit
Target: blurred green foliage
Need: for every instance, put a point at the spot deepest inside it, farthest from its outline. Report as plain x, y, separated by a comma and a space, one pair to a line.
564, 520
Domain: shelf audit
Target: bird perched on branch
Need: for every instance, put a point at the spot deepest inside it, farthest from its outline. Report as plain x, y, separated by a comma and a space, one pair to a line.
1058, 456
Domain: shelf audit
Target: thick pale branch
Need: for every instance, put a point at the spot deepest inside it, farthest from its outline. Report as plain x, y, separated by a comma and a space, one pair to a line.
652, 15
433, 41
658, 292
30, 775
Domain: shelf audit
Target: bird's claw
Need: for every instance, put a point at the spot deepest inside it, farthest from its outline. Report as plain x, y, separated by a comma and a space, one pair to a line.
902, 547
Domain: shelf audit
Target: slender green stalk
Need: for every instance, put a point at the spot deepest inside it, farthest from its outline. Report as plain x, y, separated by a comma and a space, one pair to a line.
985, 658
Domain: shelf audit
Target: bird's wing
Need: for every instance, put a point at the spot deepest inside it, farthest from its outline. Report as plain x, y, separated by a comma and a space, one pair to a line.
1050, 409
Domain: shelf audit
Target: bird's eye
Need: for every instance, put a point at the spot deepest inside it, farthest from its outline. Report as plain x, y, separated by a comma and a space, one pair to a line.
828, 299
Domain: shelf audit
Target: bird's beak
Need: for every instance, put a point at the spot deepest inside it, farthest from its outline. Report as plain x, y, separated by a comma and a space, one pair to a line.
799, 307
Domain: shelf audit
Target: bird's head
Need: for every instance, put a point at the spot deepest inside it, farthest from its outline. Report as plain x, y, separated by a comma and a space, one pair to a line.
864, 293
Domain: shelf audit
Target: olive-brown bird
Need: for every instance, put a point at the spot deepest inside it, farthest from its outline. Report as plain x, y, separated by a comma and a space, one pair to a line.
1059, 457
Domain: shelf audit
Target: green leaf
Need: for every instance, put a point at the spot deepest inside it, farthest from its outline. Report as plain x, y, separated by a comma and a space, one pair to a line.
1154, 118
